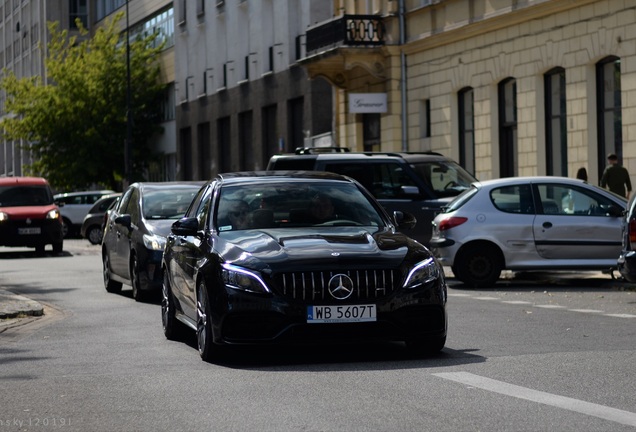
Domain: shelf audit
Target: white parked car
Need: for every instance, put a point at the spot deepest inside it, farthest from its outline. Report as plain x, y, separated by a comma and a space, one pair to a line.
528, 223
74, 207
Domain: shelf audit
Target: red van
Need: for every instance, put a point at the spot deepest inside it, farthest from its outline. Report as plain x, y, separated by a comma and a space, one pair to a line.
28, 215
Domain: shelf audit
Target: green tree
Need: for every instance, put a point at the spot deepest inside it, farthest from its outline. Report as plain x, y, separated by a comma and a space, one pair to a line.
77, 123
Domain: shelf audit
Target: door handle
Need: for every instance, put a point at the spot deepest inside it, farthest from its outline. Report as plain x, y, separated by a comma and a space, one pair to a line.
547, 224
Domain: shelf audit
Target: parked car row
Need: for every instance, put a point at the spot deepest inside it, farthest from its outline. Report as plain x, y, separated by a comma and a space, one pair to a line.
303, 254
74, 206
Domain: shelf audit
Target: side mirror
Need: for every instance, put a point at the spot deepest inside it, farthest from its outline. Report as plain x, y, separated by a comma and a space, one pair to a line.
124, 220
186, 226
412, 191
404, 220
615, 211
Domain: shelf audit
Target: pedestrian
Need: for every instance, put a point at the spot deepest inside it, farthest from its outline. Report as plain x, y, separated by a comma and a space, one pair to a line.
616, 178
581, 174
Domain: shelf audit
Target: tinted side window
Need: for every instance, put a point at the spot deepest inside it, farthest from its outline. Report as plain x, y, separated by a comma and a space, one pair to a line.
513, 199
383, 179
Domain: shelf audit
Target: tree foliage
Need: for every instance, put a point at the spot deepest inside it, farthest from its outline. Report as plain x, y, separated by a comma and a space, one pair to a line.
76, 123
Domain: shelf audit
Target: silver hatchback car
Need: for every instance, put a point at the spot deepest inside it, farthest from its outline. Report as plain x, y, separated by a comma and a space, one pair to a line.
528, 223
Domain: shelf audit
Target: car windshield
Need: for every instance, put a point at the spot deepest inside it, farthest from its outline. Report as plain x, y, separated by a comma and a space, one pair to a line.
445, 178
27, 195
167, 204
294, 204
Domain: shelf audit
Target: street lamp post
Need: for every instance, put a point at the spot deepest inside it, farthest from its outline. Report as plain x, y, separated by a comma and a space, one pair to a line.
128, 164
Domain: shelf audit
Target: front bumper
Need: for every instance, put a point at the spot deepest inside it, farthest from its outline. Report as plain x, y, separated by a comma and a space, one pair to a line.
20, 234
244, 318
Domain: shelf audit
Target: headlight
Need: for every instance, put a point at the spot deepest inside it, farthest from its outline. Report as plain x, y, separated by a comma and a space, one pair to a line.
241, 279
154, 242
423, 273
53, 214
4, 217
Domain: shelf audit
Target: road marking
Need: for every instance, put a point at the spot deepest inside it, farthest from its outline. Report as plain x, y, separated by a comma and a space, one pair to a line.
576, 405
544, 306
586, 310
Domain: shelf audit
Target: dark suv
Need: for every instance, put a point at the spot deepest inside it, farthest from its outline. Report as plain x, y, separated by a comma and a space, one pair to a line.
28, 215
417, 183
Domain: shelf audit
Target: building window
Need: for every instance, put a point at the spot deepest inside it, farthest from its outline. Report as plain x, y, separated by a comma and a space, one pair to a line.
204, 159
269, 130
246, 149
608, 109
162, 23
508, 150
78, 9
182, 12
200, 7
466, 100
371, 132
555, 120
425, 118
224, 156
296, 120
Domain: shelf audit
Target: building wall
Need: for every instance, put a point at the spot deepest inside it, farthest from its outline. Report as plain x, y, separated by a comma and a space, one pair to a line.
219, 101
23, 26
450, 49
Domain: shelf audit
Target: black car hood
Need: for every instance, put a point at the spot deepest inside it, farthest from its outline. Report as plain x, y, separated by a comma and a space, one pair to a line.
159, 226
317, 248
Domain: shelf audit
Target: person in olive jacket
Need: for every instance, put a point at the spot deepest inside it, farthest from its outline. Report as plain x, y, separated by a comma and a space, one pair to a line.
616, 177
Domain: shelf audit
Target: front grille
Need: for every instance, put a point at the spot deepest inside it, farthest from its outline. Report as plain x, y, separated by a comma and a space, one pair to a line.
312, 286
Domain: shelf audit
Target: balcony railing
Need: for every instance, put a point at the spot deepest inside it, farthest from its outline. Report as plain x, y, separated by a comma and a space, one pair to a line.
348, 30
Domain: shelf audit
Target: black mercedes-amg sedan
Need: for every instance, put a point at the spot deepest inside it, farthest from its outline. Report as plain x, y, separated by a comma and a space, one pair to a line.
282, 256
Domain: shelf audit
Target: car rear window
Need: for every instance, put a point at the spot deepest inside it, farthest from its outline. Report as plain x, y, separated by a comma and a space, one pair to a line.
25, 195
461, 199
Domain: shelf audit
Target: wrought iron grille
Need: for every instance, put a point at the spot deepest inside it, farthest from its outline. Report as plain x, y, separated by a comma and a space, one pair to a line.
348, 30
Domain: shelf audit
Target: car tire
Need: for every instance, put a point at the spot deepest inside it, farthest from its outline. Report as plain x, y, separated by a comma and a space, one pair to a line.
39, 249
138, 294
110, 285
208, 350
67, 228
94, 234
58, 247
425, 346
479, 266
172, 327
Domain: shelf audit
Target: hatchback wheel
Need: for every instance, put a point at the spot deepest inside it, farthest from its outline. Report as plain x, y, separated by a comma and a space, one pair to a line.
111, 285
172, 328
479, 266
94, 234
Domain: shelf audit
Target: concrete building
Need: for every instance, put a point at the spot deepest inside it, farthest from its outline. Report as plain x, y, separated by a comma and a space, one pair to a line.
23, 28
506, 87
241, 95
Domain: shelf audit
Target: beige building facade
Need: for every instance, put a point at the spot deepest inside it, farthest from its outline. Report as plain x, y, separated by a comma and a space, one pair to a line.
505, 87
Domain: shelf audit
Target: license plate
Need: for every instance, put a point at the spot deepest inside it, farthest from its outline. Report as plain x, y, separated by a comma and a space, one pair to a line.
341, 314
32, 230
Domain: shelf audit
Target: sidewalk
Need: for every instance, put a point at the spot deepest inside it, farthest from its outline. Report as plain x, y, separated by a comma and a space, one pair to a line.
15, 306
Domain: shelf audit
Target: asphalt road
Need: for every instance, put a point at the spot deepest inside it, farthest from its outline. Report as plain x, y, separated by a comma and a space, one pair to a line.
554, 352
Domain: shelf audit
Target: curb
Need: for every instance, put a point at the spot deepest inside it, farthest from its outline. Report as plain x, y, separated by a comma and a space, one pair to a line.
14, 306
